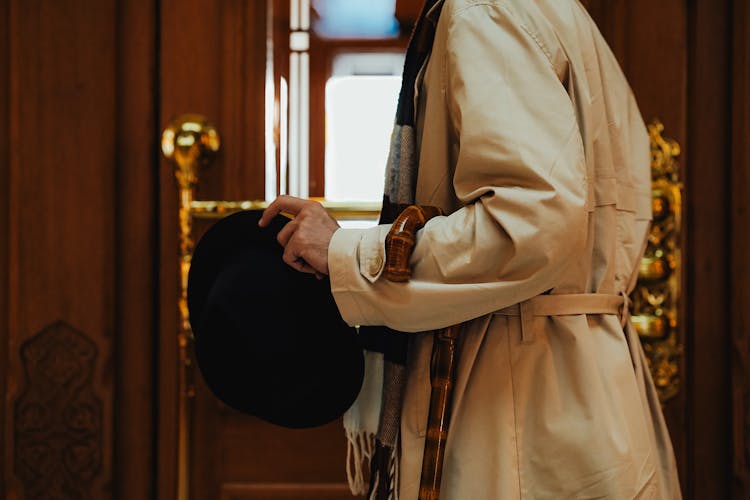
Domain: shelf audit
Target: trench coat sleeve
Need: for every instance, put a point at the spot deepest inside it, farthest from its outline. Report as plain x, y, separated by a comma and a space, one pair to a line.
519, 177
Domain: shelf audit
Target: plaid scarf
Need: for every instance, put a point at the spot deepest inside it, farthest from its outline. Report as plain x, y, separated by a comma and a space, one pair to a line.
373, 423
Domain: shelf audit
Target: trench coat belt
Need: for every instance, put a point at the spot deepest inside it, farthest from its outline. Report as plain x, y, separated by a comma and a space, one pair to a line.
537, 308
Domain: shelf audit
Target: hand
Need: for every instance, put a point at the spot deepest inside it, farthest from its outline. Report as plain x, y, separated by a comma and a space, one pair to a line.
306, 237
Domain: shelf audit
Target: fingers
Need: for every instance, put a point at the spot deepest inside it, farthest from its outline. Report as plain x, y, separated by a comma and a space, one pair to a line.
291, 256
308, 233
303, 254
283, 203
286, 233
297, 262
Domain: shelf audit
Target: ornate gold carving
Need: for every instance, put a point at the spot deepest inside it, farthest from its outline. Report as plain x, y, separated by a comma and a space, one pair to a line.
656, 298
189, 142
58, 418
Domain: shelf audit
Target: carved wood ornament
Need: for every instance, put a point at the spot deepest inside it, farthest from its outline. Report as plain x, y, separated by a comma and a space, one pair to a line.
57, 417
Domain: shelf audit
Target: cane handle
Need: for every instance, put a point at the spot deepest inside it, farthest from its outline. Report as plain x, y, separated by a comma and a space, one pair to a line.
400, 240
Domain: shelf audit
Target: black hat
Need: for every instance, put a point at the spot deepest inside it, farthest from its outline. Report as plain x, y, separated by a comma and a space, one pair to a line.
269, 340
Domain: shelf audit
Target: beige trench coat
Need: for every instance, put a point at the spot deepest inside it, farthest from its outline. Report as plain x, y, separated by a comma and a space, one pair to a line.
530, 138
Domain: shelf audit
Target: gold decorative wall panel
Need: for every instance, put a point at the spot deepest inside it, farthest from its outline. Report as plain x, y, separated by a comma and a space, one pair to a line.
656, 298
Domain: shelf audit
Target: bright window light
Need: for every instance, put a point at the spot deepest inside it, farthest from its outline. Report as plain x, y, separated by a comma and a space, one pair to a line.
360, 112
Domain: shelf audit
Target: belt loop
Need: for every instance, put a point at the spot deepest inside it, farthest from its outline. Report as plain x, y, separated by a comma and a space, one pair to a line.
526, 310
625, 313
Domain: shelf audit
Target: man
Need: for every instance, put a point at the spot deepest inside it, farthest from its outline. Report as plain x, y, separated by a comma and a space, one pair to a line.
527, 135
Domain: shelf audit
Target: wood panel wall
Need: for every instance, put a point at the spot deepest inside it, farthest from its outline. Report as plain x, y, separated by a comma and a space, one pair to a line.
61, 249
76, 248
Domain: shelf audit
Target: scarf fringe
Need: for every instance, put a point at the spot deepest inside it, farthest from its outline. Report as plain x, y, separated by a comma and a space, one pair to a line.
395, 468
359, 450
393, 475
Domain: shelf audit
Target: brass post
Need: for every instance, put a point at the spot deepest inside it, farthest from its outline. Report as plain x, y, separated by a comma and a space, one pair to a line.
189, 143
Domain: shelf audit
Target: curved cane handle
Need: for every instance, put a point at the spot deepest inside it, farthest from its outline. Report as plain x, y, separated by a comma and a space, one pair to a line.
400, 240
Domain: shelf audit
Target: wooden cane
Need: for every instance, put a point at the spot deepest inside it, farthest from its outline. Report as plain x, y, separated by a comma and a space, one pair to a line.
399, 245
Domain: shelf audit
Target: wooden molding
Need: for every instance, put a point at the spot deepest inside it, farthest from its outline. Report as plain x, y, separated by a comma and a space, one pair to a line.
4, 193
708, 298
282, 491
740, 209
136, 227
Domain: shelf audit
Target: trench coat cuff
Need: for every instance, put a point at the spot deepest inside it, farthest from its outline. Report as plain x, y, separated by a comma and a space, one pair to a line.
356, 258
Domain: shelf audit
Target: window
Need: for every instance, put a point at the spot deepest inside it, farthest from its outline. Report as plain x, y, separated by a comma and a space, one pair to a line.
342, 61
360, 102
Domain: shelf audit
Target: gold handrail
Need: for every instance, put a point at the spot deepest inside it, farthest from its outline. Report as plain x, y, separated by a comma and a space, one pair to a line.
341, 210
